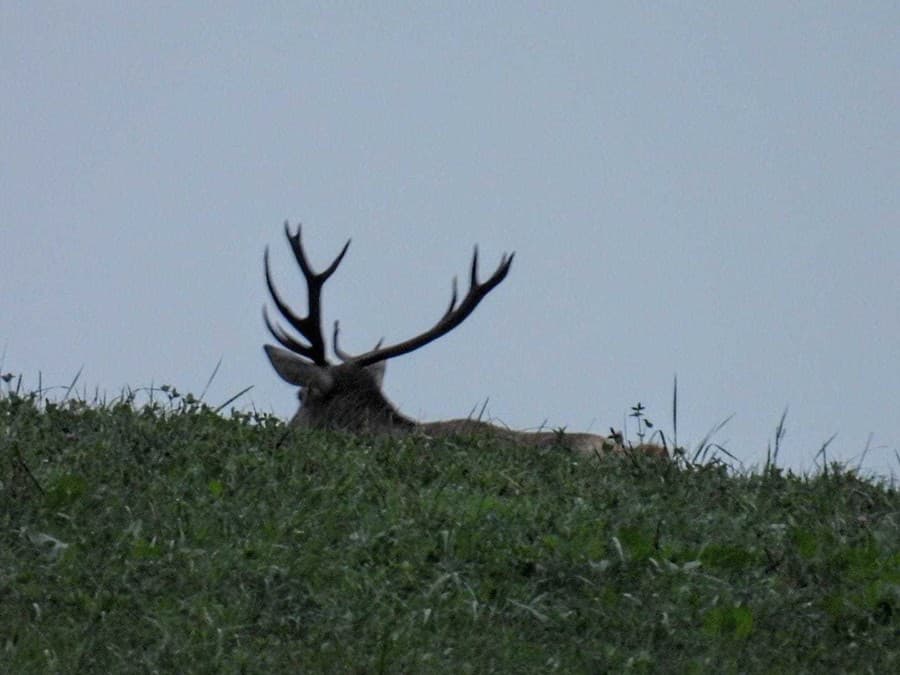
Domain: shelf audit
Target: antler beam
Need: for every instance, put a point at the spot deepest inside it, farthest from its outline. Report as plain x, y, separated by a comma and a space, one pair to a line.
454, 315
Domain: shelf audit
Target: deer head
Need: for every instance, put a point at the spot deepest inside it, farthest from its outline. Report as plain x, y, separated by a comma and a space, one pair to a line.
348, 395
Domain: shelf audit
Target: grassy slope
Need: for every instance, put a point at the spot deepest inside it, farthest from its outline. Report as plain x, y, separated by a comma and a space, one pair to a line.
192, 543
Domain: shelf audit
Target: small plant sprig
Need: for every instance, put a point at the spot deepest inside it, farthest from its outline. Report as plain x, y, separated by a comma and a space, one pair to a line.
644, 425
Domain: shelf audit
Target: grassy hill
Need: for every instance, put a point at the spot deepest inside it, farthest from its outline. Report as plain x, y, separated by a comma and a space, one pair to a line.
166, 538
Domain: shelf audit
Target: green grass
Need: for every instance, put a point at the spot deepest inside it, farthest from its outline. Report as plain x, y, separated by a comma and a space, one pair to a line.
168, 539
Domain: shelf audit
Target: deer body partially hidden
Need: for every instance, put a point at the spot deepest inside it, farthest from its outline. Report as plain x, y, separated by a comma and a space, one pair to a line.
348, 395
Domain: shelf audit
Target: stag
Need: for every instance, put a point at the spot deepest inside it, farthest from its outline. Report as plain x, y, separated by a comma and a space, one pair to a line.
348, 395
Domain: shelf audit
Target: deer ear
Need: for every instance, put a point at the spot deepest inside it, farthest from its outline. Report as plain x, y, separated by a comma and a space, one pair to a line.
294, 370
376, 370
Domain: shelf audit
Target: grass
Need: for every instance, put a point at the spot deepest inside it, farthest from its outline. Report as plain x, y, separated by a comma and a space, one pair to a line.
167, 538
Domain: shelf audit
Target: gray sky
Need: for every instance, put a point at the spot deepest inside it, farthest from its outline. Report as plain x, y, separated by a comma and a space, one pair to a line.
710, 192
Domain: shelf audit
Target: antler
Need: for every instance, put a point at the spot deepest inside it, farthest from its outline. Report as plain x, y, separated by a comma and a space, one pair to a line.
309, 326
341, 354
454, 315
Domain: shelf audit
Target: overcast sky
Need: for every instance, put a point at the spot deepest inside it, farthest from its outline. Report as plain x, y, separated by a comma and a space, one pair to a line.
708, 192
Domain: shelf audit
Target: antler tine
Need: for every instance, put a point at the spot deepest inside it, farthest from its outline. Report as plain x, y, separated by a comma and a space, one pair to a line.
286, 340
454, 315
292, 318
297, 247
342, 355
309, 326
453, 295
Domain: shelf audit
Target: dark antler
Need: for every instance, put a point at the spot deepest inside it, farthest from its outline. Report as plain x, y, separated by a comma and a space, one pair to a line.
341, 354
454, 315
309, 326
